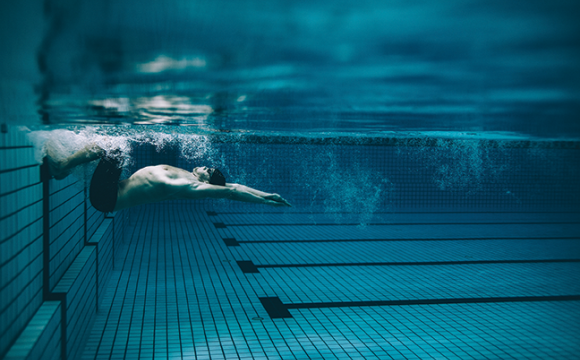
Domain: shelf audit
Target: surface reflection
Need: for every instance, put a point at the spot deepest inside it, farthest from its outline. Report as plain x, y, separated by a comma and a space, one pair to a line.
337, 66
164, 63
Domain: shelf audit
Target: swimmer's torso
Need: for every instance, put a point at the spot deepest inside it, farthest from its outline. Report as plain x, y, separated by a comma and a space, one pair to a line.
153, 184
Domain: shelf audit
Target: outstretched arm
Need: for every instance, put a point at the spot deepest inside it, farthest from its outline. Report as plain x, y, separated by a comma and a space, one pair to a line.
236, 192
271, 199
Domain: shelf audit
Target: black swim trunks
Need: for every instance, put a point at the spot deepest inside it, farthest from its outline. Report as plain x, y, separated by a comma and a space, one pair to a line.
105, 184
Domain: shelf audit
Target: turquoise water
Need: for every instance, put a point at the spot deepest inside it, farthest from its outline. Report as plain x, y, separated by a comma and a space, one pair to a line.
430, 151
361, 67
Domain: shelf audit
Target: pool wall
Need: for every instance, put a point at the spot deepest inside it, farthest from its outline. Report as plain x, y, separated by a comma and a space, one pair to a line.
56, 254
392, 175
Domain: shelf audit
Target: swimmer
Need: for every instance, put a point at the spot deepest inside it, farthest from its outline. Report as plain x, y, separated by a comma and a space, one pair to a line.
152, 183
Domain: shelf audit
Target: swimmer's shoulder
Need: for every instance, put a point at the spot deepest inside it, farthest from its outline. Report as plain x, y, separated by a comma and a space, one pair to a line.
173, 172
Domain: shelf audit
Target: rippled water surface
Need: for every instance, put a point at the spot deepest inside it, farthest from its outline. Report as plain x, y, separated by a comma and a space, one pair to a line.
367, 67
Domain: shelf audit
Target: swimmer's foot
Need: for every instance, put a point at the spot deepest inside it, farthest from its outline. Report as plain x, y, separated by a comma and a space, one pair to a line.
57, 168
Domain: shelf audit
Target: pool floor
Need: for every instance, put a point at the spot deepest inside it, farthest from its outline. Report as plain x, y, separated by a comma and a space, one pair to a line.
191, 284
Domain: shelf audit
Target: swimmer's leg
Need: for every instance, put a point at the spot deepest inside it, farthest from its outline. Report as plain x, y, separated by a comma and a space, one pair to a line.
61, 168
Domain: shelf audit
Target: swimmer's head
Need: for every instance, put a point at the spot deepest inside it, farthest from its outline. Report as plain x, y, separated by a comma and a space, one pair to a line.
201, 173
216, 177
209, 175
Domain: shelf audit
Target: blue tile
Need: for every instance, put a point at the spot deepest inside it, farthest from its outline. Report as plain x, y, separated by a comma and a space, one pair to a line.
172, 289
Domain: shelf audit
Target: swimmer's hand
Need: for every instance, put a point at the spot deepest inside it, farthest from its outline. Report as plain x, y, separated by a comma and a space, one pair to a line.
276, 200
245, 193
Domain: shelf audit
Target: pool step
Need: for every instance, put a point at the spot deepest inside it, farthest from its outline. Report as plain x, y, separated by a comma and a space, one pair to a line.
41, 337
59, 328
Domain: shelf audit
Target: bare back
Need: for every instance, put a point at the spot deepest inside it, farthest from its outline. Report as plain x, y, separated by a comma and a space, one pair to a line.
153, 184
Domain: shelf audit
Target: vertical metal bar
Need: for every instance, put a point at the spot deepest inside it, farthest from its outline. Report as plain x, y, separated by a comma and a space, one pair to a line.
85, 214
45, 178
47, 295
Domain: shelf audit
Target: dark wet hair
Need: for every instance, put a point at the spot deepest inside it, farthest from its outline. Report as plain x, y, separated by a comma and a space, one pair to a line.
216, 177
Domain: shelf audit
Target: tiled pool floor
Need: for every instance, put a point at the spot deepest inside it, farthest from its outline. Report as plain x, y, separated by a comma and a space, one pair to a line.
197, 285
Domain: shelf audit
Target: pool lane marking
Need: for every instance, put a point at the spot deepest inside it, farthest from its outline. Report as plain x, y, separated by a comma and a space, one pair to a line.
277, 310
408, 239
409, 223
231, 242
213, 213
248, 266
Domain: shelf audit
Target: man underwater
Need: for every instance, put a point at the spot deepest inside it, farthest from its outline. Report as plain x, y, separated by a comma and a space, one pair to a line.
152, 183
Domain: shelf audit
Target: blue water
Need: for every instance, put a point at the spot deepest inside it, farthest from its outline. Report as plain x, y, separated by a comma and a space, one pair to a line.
325, 66
430, 151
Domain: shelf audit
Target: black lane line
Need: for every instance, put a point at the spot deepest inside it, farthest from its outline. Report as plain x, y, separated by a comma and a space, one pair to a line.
420, 263
247, 267
412, 223
219, 225
211, 213
276, 309
403, 239
434, 301
231, 242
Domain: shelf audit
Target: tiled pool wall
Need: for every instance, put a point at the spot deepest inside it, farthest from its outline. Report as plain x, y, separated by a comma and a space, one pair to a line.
56, 252
391, 175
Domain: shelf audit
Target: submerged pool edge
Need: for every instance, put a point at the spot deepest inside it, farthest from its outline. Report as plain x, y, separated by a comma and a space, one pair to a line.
394, 139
